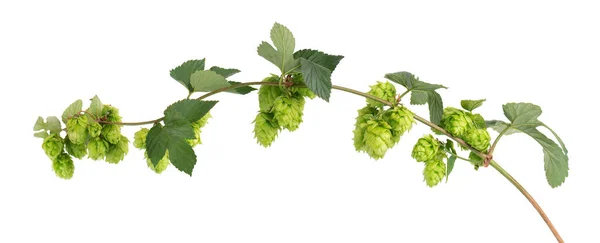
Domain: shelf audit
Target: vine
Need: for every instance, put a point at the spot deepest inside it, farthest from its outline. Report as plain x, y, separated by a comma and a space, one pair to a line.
380, 124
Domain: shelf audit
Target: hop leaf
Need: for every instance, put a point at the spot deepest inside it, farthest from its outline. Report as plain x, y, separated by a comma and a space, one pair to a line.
53, 145
383, 90
75, 150
94, 129
77, 129
162, 164
288, 111
116, 152
456, 122
297, 78
434, 172
378, 138
364, 115
139, 138
400, 119
265, 129
267, 94
63, 166
478, 138
426, 148
111, 133
97, 148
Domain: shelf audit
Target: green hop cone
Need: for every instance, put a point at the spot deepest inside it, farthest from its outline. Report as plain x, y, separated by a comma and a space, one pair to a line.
426, 148
288, 111
111, 113
77, 129
378, 138
383, 90
364, 115
475, 160
478, 139
297, 78
139, 138
97, 148
162, 163
75, 150
197, 125
400, 119
117, 152
265, 129
267, 94
53, 145
434, 172
63, 166
456, 122
111, 133
94, 129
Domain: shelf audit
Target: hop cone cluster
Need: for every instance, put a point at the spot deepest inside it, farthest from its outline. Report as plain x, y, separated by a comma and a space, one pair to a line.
429, 150
280, 108
467, 126
378, 129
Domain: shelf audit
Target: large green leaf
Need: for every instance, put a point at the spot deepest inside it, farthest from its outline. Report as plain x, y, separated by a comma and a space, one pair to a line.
206, 81
418, 97
317, 78
225, 72
183, 72
240, 90
522, 114
191, 110
96, 107
284, 41
555, 159
471, 105
405, 79
172, 137
73, 109
328, 61
499, 126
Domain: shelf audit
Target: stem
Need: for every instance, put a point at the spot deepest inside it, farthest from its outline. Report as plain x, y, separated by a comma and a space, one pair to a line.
460, 157
529, 197
403, 94
491, 152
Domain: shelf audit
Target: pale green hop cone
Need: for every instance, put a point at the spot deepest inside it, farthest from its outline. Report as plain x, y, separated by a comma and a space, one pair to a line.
77, 129
456, 122
364, 114
383, 90
478, 139
111, 133
63, 166
475, 160
377, 138
75, 150
117, 152
94, 129
426, 148
400, 119
434, 172
111, 113
162, 163
297, 78
139, 138
97, 148
288, 111
53, 145
265, 129
197, 125
267, 94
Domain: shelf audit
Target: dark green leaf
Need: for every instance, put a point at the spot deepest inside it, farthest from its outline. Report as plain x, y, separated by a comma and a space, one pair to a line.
420, 85
436, 107
450, 146
317, 78
172, 137
183, 72
225, 72
96, 107
418, 97
450, 166
73, 109
241, 90
156, 143
182, 156
328, 61
471, 105
556, 163
206, 81
191, 110
405, 79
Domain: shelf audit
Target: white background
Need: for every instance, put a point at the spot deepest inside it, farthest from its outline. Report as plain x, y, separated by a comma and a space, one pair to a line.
310, 186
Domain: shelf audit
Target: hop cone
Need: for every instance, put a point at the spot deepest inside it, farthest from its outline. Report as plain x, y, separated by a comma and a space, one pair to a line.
197, 125
77, 129
53, 145
267, 94
385, 91
297, 78
360, 126
63, 166
265, 129
162, 163
97, 148
111, 133
111, 113
478, 138
475, 160
139, 138
76, 150
116, 152
94, 129
400, 119
456, 122
426, 148
288, 111
434, 172
378, 138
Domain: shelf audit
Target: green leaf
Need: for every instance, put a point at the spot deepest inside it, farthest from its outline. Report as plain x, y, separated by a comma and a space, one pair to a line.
471, 105
421, 93
172, 137
328, 61
41, 134
96, 107
436, 107
405, 79
418, 97
284, 42
53, 124
73, 109
268, 52
183, 72
450, 166
206, 81
522, 114
556, 162
317, 78
39, 124
420, 85
190, 110
225, 72
499, 126
240, 90
450, 146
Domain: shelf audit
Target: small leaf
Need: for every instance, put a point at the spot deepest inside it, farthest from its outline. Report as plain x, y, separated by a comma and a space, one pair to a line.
53, 124
183, 72
206, 81
225, 72
39, 124
191, 110
471, 105
240, 90
41, 134
450, 146
72, 110
328, 61
450, 166
317, 78
418, 97
436, 107
96, 107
